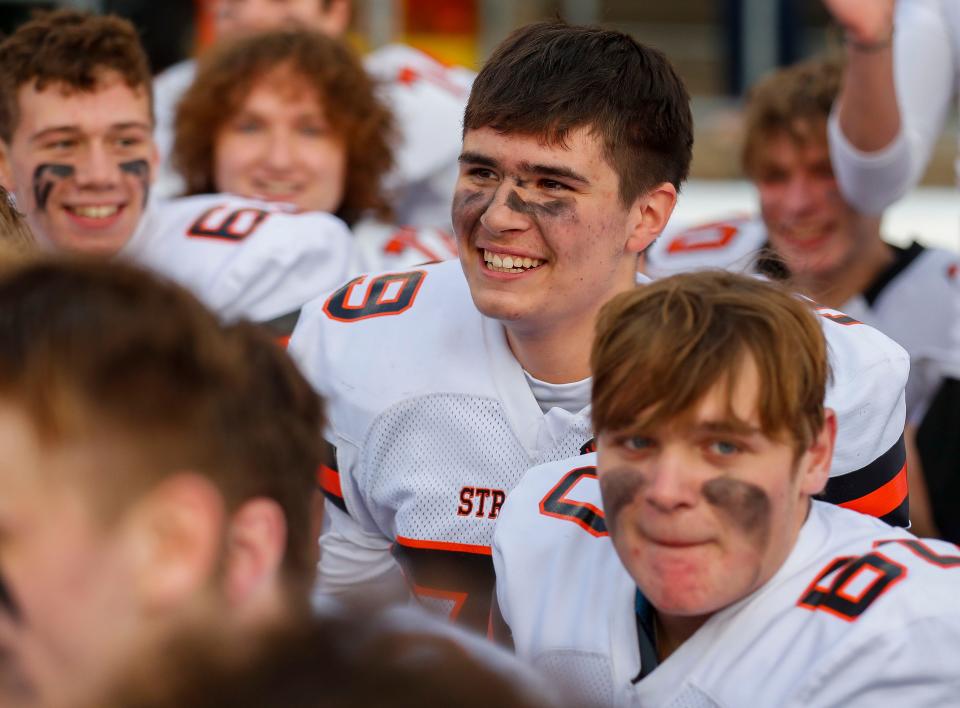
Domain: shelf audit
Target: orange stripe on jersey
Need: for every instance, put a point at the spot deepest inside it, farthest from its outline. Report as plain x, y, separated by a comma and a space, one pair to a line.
329, 481
444, 546
883, 500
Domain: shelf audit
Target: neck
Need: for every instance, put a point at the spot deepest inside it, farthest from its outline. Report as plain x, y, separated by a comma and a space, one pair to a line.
674, 630
554, 356
558, 352
837, 287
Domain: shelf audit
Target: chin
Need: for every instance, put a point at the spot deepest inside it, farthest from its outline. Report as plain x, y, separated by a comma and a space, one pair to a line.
497, 308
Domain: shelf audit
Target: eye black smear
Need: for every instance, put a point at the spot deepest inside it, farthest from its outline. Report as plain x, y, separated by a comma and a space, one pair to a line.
44, 179
7, 603
554, 207
618, 487
141, 170
747, 505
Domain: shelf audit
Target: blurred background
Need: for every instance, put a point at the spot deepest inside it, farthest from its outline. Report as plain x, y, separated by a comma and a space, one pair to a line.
720, 47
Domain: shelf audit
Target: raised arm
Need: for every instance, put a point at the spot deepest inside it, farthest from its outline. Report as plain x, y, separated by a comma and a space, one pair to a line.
895, 98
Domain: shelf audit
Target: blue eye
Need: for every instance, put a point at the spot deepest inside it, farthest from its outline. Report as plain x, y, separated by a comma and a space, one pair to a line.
636, 442
724, 448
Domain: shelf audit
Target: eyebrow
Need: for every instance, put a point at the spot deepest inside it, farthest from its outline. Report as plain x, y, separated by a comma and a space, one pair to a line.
553, 171
46, 132
476, 158
729, 427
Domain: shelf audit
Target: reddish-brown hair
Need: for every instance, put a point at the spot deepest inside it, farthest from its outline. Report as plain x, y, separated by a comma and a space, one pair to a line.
795, 102
661, 347
113, 358
328, 66
69, 48
549, 78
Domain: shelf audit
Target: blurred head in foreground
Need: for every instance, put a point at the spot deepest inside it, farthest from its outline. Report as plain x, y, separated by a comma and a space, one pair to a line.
157, 469
351, 660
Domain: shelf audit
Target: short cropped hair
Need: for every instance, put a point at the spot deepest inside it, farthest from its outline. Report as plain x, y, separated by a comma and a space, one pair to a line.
304, 57
661, 347
795, 102
549, 78
70, 48
111, 357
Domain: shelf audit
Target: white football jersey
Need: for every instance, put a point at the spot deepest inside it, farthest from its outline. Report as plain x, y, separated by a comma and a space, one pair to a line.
168, 88
427, 100
244, 258
729, 244
434, 423
381, 246
915, 301
860, 613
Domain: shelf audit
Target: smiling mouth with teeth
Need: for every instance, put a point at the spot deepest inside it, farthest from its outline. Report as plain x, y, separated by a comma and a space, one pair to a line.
94, 212
509, 264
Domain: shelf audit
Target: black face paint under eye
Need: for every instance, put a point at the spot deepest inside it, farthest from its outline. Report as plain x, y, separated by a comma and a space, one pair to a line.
466, 198
45, 177
141, 170
618, 487
552, 208
747, 505
468, 206
8, 604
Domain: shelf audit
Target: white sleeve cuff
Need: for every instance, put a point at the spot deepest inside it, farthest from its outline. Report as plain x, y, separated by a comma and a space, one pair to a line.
870, 181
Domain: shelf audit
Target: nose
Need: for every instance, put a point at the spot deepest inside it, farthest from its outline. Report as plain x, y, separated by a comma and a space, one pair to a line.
798, 195
502, 214
96, 170
280, 152
673, 481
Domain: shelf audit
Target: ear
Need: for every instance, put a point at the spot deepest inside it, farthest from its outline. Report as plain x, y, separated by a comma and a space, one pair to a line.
256, 542
336, 18
177, 539
815, 469
649, 215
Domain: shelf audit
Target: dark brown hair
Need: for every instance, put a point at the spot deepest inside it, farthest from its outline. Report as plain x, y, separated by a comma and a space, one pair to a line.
547, 79
328, 66
70, 48
347, 660
661, 347
795, 102
114, 358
